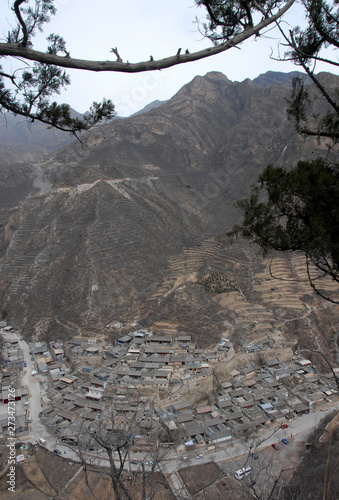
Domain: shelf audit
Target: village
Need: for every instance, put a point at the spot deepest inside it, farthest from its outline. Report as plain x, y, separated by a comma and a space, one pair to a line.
157, 388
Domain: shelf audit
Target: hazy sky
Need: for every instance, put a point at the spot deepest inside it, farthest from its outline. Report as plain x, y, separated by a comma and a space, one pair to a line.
139, 29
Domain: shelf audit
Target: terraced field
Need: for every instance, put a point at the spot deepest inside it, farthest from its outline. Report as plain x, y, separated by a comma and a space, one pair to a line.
267, 294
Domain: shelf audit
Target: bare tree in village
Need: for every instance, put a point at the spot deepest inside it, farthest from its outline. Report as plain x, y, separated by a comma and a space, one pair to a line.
108, 447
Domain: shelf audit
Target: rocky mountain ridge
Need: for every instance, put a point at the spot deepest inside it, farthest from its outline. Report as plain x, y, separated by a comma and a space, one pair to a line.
120, 227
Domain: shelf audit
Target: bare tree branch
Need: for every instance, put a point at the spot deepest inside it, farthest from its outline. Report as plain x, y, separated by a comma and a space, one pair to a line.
18, 50
325, 358
16, 8
311, 282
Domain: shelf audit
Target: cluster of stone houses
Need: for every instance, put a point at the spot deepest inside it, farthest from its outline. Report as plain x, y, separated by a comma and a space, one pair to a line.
249, 400
48, 359
45, 360
252, 399
11, 389
138, 361
144, 360
11, 353
114, 386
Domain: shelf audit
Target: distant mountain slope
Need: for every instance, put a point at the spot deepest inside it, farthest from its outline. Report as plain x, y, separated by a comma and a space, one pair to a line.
103, 234
148, 107
21, 141
30, 142
277, 78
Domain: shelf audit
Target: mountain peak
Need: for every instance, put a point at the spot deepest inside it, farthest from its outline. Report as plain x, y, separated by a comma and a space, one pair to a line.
126, 225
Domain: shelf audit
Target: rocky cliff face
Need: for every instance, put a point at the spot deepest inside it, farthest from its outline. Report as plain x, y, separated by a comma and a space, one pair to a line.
101, 231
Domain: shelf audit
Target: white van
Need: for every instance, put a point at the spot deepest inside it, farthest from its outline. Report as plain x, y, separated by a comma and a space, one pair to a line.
241, 473
43, 441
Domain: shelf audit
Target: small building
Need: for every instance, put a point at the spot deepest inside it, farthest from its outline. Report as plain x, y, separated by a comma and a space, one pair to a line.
273, 363
157, 339
94, 395
203, 410
304, 362
67, 415
300, 409
69, 379
92, 350
37, 348
96, 407
181, 407
224, 403
86, 369
41, 365
125, 340
101, 375
220, 437
184, 339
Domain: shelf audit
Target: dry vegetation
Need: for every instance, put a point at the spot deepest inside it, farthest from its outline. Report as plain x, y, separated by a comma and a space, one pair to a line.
317, 477
45, 475
200, 477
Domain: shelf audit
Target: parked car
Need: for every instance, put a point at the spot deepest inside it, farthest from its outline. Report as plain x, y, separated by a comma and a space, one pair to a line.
184, 458
58, 452
149, 462
25, 364
199, 456
275, 446
32, 359
254, 456
284, 426
284, 441
134, 462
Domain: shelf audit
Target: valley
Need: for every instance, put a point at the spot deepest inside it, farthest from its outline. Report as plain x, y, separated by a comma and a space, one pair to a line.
125, 292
